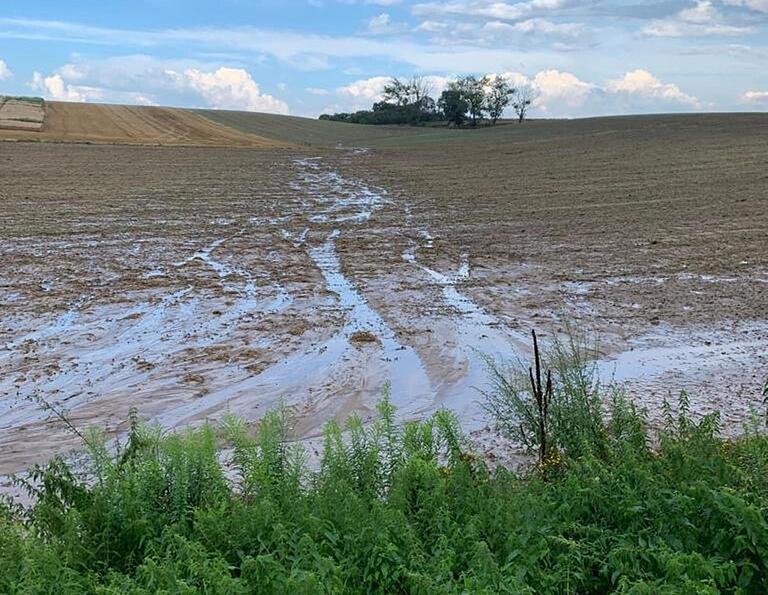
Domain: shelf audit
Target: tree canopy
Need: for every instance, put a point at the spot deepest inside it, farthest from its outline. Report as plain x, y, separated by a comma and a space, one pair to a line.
468, 99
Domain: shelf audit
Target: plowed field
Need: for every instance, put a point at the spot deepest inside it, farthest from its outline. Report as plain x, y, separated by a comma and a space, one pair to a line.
187, 282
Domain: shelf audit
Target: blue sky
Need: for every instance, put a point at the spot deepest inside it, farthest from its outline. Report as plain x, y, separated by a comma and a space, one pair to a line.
312, 56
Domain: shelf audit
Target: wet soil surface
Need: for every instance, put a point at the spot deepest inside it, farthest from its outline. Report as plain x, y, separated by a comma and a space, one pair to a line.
186, 283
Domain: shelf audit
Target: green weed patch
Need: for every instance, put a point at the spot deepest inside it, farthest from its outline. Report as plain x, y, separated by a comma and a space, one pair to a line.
395, 509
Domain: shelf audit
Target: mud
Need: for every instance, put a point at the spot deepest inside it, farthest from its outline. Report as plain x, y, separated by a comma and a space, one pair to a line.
233, 281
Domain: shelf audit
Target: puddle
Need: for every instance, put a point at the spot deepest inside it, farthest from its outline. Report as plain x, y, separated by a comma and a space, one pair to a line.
478, 334
685, 355
329, 198
94, 351
410, 384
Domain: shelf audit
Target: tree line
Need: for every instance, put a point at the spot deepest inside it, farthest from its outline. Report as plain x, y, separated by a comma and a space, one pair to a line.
469, 100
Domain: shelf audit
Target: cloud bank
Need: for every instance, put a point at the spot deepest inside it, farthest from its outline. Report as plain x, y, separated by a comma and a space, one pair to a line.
145, 80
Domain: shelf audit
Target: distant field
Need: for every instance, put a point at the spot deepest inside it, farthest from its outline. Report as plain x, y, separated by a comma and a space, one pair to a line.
647, 218
132, 125
321, 133
327, 134
21, 113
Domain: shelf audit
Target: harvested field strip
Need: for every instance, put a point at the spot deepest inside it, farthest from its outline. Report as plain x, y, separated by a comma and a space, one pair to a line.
21, 113
117, 124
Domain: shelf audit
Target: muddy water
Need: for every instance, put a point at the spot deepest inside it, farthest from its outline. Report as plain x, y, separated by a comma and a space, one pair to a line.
224, 342
221, 332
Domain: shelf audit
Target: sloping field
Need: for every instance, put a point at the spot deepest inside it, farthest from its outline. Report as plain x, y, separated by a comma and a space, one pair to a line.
134, 125
21, 113
489, 139
187, 282
320, 133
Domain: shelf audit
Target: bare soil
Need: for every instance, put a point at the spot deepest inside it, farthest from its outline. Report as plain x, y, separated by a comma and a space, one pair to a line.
186, 282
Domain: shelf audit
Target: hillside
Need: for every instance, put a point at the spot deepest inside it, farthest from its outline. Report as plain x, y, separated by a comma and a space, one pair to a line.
312, 132
166, 126
133, 125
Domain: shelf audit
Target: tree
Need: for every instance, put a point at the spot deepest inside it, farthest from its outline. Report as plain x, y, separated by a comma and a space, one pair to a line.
472, 90
397, 92
453, 106
498, 95
411, 92
523, 100
421, 89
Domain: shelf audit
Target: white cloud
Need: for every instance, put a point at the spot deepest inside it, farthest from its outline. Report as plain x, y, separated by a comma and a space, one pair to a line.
54, 87
563, 94
642, 83
755, 97
556, 93
362, 93
700, 20
673, 28
383, 24
5, 72
368, 89
703, 12
229, 88
317, 91
756, 5
537, 26
145, 80
429, 26
379, 24
505, 11
556, 88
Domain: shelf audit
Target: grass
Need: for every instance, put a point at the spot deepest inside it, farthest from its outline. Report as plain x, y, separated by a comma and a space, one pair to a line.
22, 99
395, 508
30, 120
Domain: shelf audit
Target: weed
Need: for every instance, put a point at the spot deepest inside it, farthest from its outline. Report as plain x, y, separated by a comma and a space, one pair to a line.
403, 508
565, 413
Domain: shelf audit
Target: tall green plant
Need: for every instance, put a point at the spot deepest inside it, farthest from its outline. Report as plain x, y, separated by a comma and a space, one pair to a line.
564, 412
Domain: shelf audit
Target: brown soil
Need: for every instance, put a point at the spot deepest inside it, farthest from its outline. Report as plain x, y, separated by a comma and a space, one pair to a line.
629, 221
134, 125
653, 232
362, 338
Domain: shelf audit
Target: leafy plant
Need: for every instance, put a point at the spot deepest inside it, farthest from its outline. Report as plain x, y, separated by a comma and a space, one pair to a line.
564, 413
403, 508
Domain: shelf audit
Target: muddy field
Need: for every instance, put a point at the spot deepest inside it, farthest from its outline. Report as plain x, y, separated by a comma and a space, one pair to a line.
187, 282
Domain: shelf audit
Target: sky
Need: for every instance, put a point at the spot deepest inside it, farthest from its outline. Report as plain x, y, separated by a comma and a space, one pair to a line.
307, 57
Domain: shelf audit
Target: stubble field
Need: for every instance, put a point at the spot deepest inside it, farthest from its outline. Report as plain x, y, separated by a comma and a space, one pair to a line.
186, 282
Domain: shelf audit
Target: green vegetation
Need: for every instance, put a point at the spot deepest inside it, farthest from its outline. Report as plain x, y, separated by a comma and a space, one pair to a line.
405, 509
564, 415
29, 120
409, 102
22, 99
